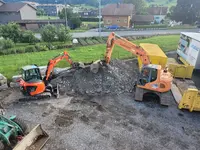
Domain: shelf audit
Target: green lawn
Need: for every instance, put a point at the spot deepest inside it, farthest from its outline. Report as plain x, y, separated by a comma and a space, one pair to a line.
10, 64
47, 17
163, 2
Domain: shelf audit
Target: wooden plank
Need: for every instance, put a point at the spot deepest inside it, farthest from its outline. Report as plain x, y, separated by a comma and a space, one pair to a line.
176, 93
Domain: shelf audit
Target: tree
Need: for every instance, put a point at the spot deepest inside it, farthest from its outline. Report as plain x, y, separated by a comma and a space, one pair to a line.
73, 18
27, 36
140, 5
186, 11
63, 33
48, 33
11, 31
40, 12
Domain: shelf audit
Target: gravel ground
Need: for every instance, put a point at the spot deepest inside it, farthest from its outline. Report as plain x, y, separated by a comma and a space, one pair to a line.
100, 120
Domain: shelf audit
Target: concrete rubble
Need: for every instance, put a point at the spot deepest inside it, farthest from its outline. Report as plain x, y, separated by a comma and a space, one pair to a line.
3, 82
119, 77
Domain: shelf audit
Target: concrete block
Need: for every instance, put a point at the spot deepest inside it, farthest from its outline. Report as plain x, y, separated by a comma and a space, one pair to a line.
4, 86
2, 77
16, 77
43, 70
14, 84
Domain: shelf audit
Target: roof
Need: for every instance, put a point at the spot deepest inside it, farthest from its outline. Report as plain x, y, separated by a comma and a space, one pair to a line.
157, 10
193, 35
143, 18
29, 67
13, 7
153, 50
118, 10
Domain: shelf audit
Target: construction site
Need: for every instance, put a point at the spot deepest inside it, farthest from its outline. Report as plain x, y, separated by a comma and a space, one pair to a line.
149, 102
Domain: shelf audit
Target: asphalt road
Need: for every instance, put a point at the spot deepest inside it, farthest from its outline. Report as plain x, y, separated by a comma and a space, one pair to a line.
128, 33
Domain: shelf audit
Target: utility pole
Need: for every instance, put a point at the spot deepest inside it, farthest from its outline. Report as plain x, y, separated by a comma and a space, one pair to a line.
65, 14
99, 18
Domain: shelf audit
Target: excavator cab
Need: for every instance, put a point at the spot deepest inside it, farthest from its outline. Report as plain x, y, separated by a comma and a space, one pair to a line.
31, 73
148, 74
31, 82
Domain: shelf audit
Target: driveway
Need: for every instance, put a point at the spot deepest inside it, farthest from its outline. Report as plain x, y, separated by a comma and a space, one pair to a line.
127, 33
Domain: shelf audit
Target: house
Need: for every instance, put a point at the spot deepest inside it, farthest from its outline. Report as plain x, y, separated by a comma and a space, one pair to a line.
142, 19
118, 14
10, 12
159, 13
89, 13
51, 9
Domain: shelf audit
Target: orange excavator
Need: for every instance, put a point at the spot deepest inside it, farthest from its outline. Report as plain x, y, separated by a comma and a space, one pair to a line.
32, 84
152, 78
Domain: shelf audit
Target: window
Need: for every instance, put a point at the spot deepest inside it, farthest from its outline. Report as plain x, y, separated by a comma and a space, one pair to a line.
109, 21
125, 20
118, 20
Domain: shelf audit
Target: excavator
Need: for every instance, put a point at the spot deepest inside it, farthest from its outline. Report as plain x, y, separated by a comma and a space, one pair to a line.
33, 85
151, 79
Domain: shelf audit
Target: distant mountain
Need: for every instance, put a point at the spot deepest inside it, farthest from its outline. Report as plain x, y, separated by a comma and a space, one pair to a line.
95, 2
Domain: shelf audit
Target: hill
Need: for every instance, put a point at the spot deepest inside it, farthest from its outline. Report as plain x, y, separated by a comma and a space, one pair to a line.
95, 2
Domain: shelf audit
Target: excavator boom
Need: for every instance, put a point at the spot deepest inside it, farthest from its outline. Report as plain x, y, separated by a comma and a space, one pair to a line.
54, 61
127, 45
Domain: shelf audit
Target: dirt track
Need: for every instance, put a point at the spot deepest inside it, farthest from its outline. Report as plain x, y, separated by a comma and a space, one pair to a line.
108, 122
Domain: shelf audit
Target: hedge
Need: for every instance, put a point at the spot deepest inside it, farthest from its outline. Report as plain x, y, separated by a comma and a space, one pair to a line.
82, 42
90, 19
149, 26
89, 41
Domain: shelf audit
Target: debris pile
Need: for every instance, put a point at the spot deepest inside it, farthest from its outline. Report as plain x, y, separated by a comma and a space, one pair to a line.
119, 77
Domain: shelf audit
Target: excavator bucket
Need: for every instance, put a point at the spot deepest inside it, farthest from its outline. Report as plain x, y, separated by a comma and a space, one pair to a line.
35, 140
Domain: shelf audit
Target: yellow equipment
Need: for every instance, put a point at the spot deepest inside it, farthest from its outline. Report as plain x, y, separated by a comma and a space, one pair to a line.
186, 94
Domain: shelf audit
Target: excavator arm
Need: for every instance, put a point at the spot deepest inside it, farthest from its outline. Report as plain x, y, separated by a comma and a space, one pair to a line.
54, 61
127, 45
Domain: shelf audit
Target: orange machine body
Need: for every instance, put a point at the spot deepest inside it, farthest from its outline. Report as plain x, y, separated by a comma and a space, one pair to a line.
159, 79
32, 83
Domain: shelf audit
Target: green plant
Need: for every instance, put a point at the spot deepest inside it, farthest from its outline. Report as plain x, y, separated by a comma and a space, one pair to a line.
82, 42
48, 33
63, 33
30, 49
6, 44
20, 51
11, 31
27, 36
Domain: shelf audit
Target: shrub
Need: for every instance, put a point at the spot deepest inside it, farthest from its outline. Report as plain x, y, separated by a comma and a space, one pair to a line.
28, 37
21, 50
30, 49
48, 33
89, 41
90, 19
39, 47
63, 34
6, 44
82, 42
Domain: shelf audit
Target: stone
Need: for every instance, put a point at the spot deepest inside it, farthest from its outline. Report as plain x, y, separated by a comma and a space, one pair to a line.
14, 84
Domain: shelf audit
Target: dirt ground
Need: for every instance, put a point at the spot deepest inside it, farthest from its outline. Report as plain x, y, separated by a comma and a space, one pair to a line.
107, 121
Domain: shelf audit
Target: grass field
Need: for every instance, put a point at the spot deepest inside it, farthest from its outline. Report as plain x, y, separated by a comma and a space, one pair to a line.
11, 64
162, 2
47, 17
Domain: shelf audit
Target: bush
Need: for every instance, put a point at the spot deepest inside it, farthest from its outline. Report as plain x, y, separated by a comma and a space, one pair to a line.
6, 44
22, 50
48, 33
28, 37
90, 19
30, 49
82, 42
89, 41
63, 33
11, 31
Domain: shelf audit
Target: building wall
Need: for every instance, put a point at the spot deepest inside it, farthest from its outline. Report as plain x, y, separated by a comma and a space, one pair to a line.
28, 13
1, 3
159, 18
122, 21
6, 17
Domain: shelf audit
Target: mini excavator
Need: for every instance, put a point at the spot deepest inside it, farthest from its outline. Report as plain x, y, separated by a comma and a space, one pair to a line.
32, 84
151, 79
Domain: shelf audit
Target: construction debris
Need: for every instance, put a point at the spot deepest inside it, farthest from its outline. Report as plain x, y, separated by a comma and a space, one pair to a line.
3, 82
118, 77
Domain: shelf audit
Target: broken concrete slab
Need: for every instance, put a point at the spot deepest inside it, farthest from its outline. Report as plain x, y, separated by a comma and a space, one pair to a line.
16, 77
14, 84
3, 87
